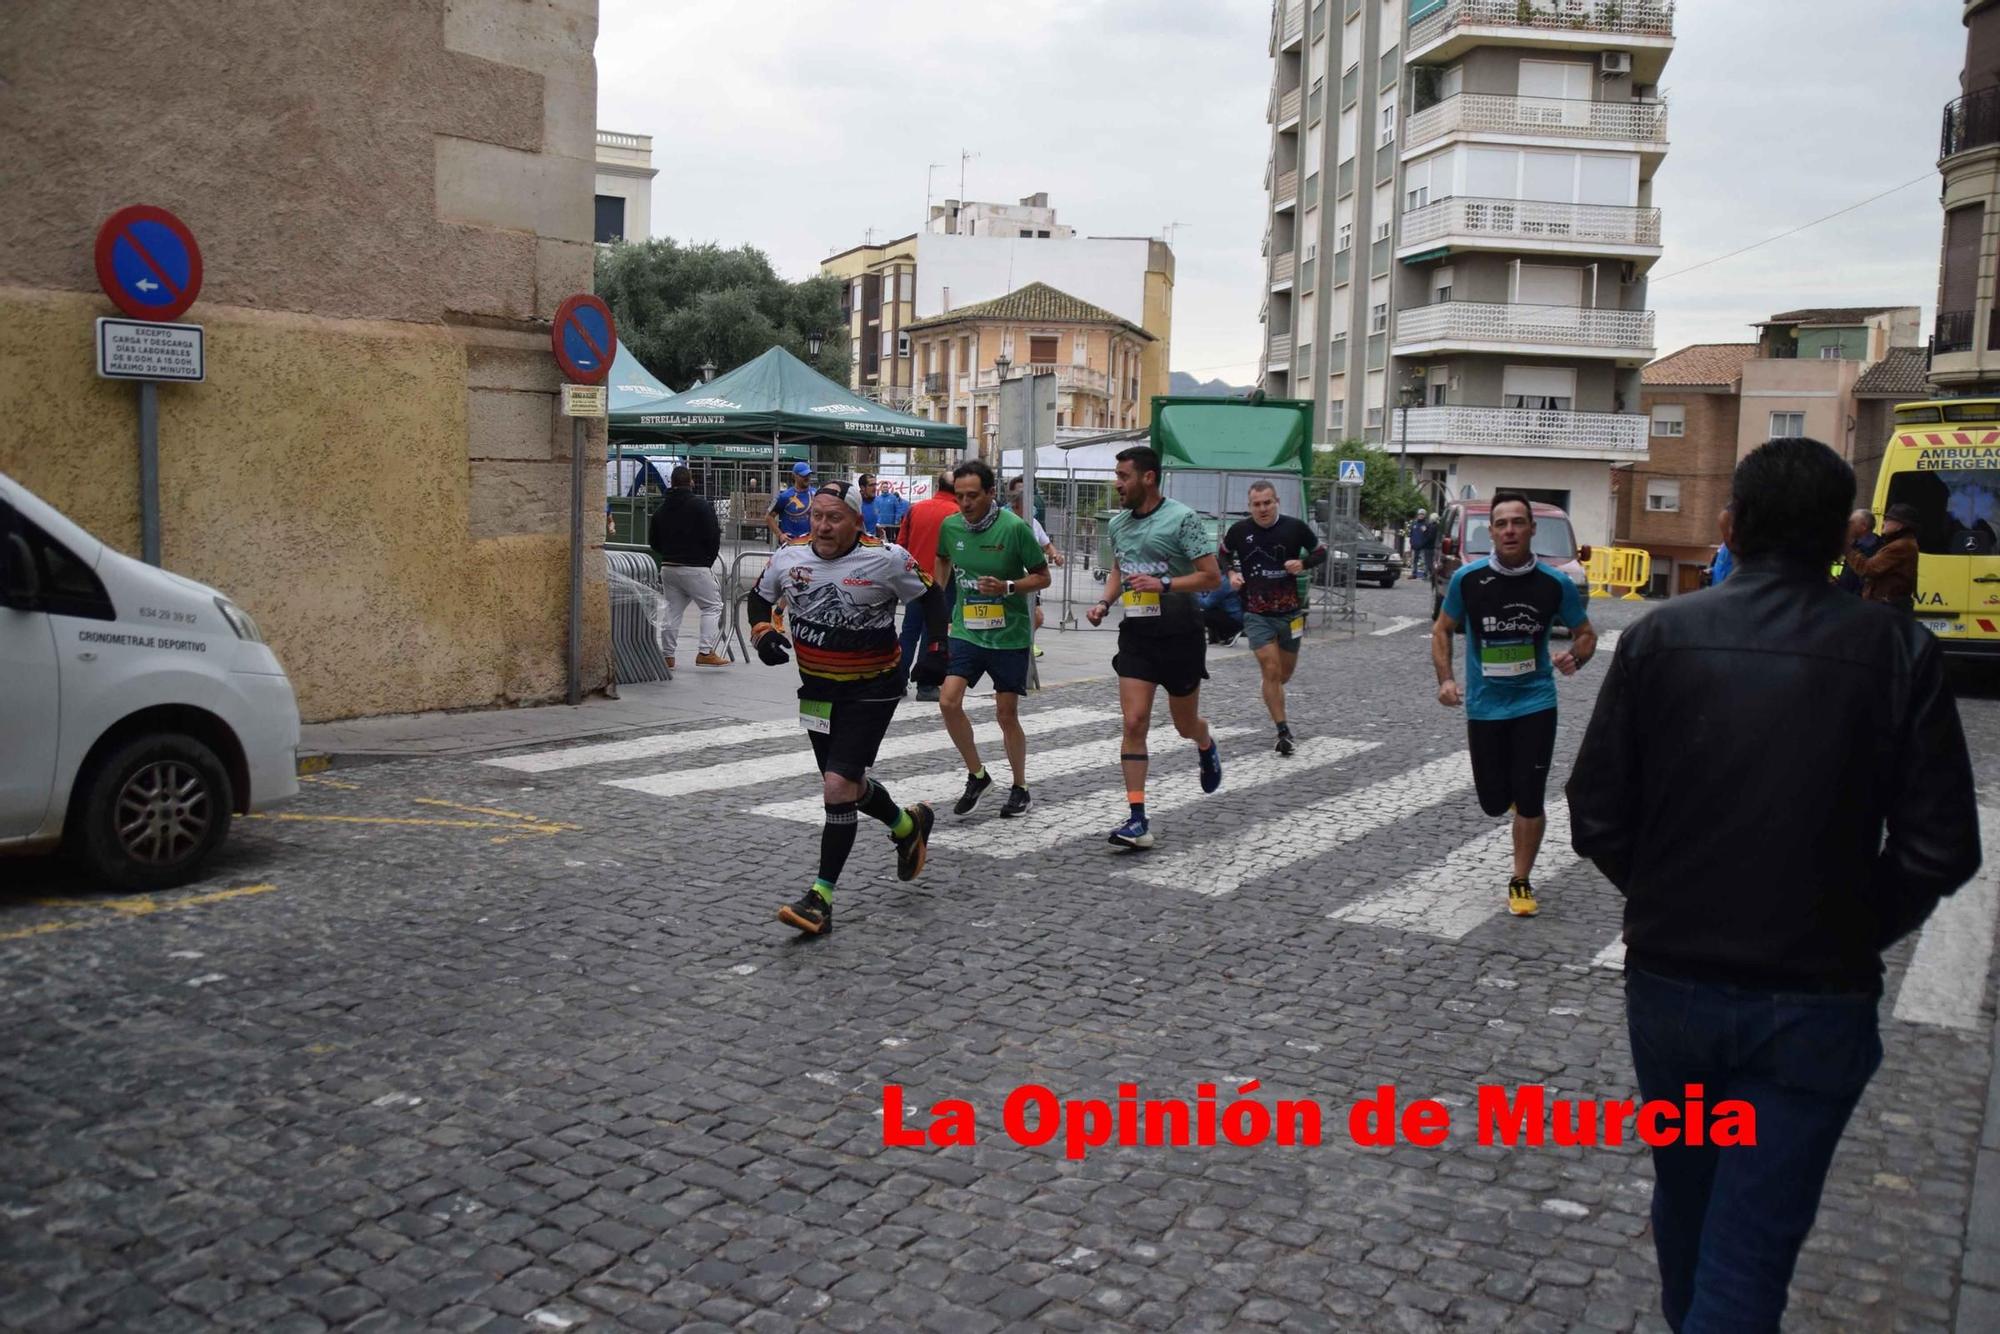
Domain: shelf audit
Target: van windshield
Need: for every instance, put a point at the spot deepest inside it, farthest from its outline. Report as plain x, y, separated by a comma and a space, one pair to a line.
1553, 538
1958, 509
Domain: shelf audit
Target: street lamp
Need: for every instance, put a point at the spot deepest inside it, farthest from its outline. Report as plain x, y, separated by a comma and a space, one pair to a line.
1407, 394
814, 340
707, 370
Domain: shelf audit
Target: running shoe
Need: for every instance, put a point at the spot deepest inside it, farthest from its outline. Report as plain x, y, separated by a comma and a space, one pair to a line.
811, 914
927, 694
1284, 743
913, 847
710, 660
1211, 767
975, 788
1134, 833
1521, 898
1017, 802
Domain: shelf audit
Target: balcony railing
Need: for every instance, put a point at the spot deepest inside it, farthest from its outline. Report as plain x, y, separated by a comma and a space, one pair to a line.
1067, 377
1972, 121
1288, 107
1565, 326
1281, 268
1295, 23
1378, 258
1635, 18
1312, 190
1306, 274
1343, 267
1508, 430
937, 382
1281, 350
1954, 331
1532, 220
1385, 162
1287, 190
1555, 117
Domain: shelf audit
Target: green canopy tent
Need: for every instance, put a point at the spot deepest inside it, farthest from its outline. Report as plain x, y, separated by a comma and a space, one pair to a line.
776, 400
630, 386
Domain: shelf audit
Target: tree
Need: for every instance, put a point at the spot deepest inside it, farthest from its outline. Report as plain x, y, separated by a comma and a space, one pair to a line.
1385, 499
679, 305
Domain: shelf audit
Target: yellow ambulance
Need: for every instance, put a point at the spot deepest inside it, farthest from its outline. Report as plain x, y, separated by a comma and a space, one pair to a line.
1944, 459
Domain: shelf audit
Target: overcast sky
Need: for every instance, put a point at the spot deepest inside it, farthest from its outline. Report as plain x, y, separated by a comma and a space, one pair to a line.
798, 127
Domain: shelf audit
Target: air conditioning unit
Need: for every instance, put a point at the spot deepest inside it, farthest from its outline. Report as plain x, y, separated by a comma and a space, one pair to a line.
1617, 62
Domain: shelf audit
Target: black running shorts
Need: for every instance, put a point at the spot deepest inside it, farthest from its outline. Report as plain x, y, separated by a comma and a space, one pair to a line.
1179, 663
1510, 762
857, 727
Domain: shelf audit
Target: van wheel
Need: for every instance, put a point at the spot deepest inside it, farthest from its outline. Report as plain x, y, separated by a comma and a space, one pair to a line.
149, 813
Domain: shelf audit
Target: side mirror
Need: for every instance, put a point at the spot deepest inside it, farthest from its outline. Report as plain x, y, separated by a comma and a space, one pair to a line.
1583, 555
1449, 546
20, 582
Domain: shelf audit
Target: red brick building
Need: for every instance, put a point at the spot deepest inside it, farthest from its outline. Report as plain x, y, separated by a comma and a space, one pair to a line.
1669, 504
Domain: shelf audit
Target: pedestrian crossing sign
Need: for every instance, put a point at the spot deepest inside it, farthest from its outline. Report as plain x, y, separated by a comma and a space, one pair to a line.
1352, 472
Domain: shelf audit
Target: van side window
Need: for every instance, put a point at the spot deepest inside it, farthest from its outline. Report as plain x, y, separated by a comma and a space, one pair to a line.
1958, 509
69, 587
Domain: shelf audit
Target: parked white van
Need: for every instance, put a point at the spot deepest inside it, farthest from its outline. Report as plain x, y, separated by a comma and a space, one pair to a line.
139, 711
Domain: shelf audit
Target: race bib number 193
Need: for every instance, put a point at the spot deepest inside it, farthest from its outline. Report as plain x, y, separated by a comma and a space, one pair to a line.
1498, 661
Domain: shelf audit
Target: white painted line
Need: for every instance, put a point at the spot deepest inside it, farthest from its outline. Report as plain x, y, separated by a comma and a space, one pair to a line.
1093, 817
1608, 641
655, 745
944, 785
1946, 981
1611, 956
1272, 844
799, 763
1448, 898
1397, 626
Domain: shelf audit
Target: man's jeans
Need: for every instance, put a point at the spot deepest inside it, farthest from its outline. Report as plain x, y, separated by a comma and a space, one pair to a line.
684, 584
1728, 1223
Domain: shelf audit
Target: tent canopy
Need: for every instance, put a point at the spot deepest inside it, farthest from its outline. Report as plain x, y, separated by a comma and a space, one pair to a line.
777, 394
631, 386
1230, 435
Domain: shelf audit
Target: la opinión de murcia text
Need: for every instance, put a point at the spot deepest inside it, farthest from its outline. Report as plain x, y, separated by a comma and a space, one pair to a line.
1033, 1116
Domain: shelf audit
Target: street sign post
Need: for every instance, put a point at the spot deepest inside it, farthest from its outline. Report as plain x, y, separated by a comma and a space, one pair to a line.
584, 338
150, 266
1353, 472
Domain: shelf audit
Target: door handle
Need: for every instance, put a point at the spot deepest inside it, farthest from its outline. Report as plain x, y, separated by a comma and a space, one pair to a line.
1987, 579
86, 657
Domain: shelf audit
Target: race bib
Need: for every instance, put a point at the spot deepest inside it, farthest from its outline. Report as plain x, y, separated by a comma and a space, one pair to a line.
1498, 661
985, 615
816, 715
1298, 627
1141, 604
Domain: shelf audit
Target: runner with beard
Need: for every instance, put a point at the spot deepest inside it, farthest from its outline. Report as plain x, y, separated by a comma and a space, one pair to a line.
841, 590
1273, 550
1507, 602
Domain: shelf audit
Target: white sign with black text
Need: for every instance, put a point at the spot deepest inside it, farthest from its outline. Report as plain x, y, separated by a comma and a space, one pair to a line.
149, 350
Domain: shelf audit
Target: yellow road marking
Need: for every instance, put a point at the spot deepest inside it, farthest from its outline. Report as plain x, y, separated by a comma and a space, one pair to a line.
330, 782
138, 906
512, 824
534, 820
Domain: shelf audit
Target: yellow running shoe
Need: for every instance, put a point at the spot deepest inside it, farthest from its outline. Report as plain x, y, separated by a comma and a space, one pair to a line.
1521, 898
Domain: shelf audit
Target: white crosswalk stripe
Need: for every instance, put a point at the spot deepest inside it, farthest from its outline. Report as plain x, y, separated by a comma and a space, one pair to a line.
1093, 816
942, 787
1448, 898
1398, 625
799, 763
1611, 956
658, 745
1946, 981
1270, 845
1608, 641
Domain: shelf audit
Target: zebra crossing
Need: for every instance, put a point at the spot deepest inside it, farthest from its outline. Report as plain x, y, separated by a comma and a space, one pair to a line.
1447, 898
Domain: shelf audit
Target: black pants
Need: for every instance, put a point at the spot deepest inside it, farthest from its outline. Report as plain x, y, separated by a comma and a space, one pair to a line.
1510, 762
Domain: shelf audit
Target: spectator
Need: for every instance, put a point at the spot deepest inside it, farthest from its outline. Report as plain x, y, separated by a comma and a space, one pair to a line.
869, 523
890, 507
1422, 533
686, 537
1776, 780
1890, 574
920, 536
788, 518
1860, 537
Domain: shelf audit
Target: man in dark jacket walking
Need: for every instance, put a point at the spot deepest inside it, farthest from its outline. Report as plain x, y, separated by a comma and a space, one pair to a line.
1889, 572
1776, 780
687, 538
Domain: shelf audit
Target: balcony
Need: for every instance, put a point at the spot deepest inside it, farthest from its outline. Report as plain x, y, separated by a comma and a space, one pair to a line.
1643, 124
1293, 30
1620, 436
1288, 109
1954, 331
1081, 379
1531, 225
1343, 267
1644, 27
1306, 274
1281, 351
936, 382
1474, 326
1312, 190
1286, 193
1970, 122
1281, 270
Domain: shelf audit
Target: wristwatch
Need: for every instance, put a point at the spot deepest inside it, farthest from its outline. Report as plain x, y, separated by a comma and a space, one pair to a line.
1167, 584
1010, 588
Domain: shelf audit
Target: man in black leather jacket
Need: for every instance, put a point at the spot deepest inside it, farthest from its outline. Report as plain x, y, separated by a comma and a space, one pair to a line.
1776, 780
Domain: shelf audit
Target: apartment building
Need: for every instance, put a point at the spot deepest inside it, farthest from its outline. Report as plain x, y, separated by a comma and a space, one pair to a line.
877, 304
1461, 222
1966, 349
1097, 358
623, 202
1034, 217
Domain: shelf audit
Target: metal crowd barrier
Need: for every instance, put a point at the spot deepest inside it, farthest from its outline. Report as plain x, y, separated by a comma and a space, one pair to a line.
635, 639
1629, 568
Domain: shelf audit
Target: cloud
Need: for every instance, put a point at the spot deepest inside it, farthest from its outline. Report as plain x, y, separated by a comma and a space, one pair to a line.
799, 127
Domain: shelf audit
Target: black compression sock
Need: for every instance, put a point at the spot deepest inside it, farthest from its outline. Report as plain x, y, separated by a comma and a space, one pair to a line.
877, 804
836, 840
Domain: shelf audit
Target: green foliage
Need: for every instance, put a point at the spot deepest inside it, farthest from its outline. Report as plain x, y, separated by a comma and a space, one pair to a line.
678, 305
1384, 499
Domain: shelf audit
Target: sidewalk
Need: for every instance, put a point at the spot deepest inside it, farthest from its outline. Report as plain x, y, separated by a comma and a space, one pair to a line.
746, 692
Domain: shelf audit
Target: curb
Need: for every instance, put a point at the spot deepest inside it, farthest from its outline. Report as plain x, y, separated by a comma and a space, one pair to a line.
1979, 1270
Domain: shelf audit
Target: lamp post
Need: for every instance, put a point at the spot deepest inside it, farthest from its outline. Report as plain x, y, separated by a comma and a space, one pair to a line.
707, 369
1001, 365
1406, 394
814, 341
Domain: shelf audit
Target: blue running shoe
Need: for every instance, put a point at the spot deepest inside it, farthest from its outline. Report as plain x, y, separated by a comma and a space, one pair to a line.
1134, 833
1211, 767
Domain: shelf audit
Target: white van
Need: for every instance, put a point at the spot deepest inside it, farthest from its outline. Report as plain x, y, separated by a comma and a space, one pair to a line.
139, 711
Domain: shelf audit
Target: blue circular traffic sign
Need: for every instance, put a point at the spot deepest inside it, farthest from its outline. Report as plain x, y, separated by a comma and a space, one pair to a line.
585, 339
148, 262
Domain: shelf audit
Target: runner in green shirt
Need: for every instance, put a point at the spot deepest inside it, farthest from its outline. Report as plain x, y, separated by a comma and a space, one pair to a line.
1000, 565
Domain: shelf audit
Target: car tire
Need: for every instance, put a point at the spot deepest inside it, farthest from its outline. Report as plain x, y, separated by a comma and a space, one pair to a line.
149, 813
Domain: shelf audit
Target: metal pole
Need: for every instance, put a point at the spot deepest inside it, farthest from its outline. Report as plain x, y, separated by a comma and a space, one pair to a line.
575, 692
1403, 450
775, 464
149, 472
